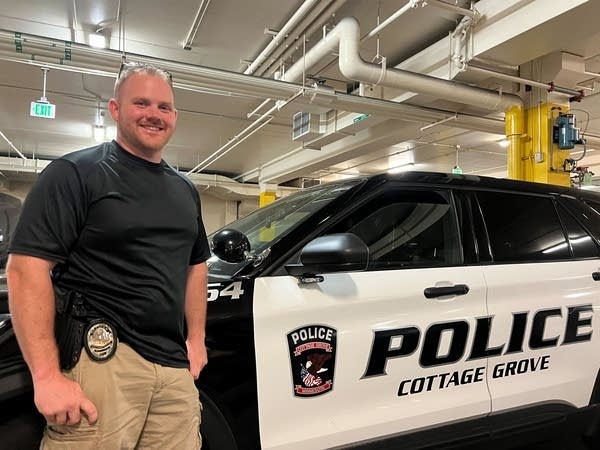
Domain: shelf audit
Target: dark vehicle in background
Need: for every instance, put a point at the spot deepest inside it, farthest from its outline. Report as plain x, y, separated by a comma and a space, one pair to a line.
408, 311
10, 208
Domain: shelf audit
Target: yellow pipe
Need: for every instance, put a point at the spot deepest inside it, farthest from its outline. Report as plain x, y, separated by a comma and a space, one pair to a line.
266, 198
267, 234
514, 127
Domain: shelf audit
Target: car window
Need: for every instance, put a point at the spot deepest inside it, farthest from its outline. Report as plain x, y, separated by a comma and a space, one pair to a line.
406, 229
590, 217
522, 228
475, 244
266, 226
582, 244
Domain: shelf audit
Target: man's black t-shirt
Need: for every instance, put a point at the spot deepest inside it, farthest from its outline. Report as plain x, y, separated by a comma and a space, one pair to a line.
124, 232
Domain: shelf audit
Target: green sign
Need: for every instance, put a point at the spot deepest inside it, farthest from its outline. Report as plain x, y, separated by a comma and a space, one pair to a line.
18, 43
456, 170
42, 109
360, 118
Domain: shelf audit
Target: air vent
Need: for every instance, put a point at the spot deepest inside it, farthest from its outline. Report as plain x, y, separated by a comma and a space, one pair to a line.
305, 125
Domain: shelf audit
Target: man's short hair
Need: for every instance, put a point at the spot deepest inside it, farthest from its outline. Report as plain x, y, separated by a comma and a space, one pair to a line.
129, 68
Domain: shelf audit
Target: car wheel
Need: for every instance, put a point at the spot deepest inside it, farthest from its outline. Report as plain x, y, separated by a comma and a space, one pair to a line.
215, 430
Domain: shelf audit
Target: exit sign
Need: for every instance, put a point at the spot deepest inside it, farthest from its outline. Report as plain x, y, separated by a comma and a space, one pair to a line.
360, 118
42, 109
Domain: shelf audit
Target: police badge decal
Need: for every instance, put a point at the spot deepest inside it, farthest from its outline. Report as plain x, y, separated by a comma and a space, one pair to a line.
312, 355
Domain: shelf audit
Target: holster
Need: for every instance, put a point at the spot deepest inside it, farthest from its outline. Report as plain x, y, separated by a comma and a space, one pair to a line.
69, 325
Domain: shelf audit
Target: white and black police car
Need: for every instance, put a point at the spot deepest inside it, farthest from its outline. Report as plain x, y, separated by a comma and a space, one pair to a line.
411, 311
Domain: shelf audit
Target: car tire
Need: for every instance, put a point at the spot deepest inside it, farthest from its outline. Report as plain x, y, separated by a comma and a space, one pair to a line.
215, 430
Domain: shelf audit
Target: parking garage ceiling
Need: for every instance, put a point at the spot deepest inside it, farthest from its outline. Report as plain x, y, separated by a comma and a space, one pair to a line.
236, 118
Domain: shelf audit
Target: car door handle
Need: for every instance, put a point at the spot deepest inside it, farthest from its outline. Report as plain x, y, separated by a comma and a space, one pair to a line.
457, 289
596, 276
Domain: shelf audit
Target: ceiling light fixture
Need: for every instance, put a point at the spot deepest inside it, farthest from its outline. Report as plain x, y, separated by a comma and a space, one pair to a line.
96, 40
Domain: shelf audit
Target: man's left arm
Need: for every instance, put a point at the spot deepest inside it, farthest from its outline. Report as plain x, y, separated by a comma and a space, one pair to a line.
195, 315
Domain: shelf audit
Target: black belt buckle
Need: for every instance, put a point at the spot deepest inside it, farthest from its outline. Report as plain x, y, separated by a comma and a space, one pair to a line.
100, 340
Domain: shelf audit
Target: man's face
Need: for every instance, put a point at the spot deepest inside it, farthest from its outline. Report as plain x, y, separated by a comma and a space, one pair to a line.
145, 114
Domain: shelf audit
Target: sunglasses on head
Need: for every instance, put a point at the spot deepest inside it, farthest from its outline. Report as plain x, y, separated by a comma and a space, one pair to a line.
132, 65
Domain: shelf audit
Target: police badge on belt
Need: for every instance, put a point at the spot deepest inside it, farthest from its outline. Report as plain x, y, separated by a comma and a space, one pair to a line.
100, 340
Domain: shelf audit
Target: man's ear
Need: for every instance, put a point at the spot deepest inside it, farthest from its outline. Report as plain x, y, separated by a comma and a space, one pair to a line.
113, 109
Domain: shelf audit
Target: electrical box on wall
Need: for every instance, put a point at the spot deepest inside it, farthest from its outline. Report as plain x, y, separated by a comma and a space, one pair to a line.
305, 126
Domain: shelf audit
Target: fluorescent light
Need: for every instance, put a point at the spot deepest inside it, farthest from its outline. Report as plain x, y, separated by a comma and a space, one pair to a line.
96, 40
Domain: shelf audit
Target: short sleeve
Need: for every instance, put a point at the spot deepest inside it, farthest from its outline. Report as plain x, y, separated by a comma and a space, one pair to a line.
201, 250
53, 214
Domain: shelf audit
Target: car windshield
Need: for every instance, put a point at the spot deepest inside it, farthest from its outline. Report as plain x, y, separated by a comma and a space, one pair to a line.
265, 226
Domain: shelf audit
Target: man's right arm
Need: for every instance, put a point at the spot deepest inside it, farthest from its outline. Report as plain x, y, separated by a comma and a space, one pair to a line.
32, 308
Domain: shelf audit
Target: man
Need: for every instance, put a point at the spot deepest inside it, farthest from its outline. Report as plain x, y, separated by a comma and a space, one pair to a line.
109, 254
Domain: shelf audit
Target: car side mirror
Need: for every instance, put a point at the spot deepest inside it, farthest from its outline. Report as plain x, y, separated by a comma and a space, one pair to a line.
342, 252
231, 245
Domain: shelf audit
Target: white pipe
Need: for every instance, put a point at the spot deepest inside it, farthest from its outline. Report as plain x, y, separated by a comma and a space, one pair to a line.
290, 24
547, 86
258, 108
229, 81
439, 122
75, 26
234, 142
282, 54
189, 39
106, 23
244, 134
346, 37
56, 66
410, 5
12, 146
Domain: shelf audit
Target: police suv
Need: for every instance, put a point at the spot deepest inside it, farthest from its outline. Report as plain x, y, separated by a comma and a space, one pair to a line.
410, 311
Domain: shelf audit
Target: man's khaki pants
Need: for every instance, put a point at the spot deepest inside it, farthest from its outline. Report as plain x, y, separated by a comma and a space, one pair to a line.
140, 405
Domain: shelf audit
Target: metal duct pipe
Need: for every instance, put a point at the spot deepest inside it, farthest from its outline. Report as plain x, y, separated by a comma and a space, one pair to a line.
53, 51
550, 87
11, 145
410, 5
189, 39
280, 37
346, 38
281, 53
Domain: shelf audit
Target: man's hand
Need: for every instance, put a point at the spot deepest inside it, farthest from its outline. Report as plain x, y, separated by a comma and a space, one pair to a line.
196, 350
61, 401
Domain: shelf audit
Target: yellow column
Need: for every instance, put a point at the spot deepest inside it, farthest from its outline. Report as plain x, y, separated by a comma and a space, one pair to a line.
267, 196
545, 164
533, 156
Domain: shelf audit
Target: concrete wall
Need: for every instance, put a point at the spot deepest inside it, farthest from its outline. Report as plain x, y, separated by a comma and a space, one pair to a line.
217, 212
